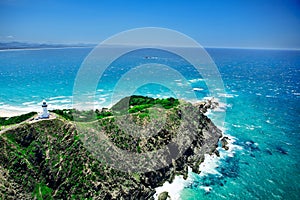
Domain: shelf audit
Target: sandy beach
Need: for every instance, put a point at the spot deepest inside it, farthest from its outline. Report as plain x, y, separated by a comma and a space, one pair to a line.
11, 113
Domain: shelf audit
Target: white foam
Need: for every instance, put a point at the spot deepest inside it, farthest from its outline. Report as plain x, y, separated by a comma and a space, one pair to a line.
206, 188
198, 89
270, 96
227, 95
28, 103
62, 101
196, 80
236, 125
180, 84
9, 110
102, 100
209, 166
59, 97
58, 102
174, 188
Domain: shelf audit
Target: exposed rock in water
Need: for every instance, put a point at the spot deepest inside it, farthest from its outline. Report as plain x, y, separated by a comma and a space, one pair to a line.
224, 143
47, 159
206, 105
163, 196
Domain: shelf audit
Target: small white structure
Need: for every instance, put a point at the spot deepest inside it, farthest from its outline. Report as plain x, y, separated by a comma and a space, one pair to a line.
45, 113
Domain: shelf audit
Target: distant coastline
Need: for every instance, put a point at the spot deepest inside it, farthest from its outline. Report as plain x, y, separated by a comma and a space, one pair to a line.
4, 46
36, 46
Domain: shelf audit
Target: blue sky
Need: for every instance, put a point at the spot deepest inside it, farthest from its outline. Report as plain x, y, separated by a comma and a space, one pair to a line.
220, 23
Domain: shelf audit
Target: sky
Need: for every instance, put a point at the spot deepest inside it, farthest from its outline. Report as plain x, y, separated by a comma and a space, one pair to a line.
212, 23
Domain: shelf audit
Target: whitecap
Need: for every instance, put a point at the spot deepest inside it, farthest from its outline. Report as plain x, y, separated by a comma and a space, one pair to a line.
102, 100
206, 188
58, 97
196, 80
28, 103
270, 96
236, 125
198, 89
226, 95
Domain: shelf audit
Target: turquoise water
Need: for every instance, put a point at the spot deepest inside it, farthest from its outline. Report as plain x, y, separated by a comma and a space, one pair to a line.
262, 113
264, 117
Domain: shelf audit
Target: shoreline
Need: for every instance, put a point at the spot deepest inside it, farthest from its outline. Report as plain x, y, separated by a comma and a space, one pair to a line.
12, 113
208, 167
46, 48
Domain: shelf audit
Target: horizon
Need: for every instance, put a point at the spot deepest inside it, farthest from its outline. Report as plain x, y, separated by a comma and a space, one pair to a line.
93, 45
266, 24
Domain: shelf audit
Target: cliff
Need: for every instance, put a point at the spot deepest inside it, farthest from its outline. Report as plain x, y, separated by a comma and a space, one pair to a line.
49, 159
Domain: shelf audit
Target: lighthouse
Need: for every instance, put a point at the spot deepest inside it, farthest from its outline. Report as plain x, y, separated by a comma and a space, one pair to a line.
45, 113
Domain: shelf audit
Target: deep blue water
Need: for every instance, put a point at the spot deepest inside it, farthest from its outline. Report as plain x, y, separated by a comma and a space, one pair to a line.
263, 110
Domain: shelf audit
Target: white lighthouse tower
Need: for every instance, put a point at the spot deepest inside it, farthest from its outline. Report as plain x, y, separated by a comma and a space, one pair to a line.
45, 113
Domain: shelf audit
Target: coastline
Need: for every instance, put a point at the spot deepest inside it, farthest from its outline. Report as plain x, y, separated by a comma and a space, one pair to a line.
208, 167
45, 48
12, 113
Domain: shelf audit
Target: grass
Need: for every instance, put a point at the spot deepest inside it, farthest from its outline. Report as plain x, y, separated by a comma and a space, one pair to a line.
42, 192
5, 121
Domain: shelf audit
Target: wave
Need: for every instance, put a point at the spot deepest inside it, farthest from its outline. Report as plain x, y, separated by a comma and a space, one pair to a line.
29, 103
227, 95
59, 97
196, 80
174, 189
208, 167
198, 89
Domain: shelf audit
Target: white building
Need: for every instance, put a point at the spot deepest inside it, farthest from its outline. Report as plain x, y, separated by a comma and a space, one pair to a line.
45, 113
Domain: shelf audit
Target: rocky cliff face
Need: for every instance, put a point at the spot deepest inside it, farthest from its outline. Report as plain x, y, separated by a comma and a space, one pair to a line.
47, 159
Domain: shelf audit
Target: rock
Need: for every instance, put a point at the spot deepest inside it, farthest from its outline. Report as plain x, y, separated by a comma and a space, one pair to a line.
163, 196
224, 143
217, 153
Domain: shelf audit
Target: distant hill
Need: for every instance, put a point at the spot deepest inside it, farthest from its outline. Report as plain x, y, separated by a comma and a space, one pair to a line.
24, 45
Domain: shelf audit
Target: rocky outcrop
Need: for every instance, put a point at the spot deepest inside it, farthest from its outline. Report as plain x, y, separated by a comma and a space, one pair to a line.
224, 142
163, 196
206, 105
47, 159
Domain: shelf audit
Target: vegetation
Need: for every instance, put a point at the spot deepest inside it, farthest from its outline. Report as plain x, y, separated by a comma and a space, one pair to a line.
133, 104
4, 121
42, 192
82, 116
138, 103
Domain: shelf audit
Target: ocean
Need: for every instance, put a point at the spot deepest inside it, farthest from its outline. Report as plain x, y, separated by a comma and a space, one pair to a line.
262, 111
